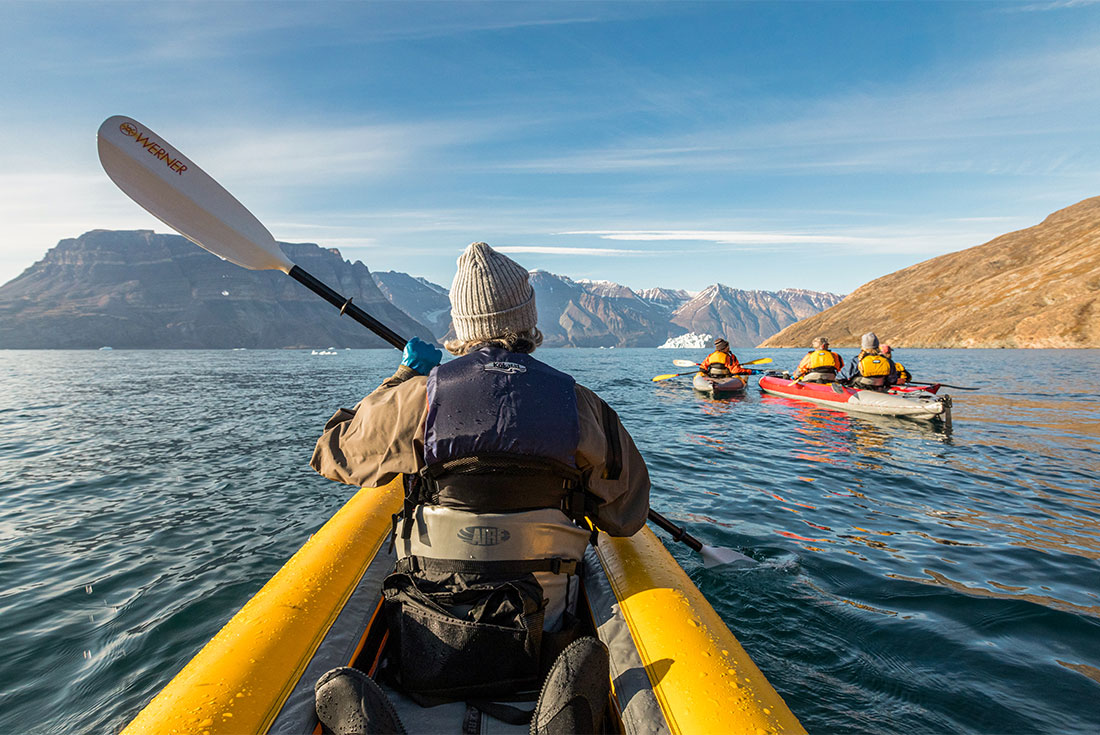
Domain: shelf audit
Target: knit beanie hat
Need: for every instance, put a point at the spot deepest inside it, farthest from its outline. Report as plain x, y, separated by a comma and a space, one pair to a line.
490, 295
869, 341
721, 344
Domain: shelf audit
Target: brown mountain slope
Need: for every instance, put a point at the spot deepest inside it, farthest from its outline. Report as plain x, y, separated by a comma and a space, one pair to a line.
1038, 287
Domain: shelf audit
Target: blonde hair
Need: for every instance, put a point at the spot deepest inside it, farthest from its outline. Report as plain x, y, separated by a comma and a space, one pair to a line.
525, 342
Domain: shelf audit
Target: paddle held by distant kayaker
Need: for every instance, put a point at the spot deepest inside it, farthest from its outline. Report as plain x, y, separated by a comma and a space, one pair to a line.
820, 364
870, 370
507, 463
903, 375
722, 363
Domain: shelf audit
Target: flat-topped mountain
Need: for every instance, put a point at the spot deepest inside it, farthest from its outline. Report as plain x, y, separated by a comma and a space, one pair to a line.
138, 289
1038, 287
143, 290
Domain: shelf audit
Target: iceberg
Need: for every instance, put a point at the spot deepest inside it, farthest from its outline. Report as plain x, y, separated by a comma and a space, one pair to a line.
691, 340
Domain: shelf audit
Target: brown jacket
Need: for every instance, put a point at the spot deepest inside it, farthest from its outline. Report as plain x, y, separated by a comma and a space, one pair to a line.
384, 436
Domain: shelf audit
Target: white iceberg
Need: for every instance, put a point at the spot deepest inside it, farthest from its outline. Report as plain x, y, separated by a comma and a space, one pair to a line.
689, 341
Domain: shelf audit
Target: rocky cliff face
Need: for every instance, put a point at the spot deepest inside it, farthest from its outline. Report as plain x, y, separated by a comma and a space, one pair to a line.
596, 314
143, 290
747, 317
1038, 287
421, 299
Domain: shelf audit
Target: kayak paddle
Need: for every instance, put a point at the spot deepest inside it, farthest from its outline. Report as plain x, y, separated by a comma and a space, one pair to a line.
689, 363
945, 385
712, 555
666, 376
183, 196
169, 186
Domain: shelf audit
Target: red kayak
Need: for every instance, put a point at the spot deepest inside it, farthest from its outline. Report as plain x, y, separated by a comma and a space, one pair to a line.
909, 401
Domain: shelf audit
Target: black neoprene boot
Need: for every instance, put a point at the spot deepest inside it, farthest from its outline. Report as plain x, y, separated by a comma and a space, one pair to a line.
349, 702
574, 696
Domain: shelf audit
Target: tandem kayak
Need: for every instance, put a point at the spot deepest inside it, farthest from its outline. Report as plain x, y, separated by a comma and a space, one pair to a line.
718, 386
908, 402
675, 666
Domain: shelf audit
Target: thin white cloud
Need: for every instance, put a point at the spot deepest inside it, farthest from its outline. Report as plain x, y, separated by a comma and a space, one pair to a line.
727, 237
555, 250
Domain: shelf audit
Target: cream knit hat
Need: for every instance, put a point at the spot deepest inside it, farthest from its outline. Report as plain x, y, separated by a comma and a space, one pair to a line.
490, 295
869, 341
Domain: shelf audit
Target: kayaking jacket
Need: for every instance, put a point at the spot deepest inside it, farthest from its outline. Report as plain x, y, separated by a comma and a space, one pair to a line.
871, 370
503, 459
719, 364
820, 366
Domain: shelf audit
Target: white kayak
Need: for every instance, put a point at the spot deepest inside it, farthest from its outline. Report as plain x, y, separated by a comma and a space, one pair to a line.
718, 386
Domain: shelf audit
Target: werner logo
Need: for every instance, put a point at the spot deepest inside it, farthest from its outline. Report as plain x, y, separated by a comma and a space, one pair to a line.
483, 535
155, 149
508, 368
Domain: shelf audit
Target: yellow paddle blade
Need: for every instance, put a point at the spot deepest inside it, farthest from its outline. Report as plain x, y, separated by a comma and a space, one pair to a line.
671, 375
761, 361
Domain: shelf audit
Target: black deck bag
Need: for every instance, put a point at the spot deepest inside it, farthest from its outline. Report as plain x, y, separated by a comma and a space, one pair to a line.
461, 636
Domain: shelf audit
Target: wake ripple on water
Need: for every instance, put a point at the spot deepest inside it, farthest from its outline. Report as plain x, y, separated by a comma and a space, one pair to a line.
909, 579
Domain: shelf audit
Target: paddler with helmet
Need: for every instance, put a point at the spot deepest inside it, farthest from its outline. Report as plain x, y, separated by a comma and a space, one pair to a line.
904, 375
870, 369
508, 463
820, 364
722, 363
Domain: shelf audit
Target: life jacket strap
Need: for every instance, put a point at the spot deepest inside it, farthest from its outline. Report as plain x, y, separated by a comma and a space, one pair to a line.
502, 567
503, 483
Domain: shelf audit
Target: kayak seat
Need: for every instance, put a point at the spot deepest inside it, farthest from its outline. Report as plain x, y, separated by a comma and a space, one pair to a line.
819, 376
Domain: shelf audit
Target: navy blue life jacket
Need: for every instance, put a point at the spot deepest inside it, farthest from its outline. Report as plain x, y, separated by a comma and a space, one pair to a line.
491, 536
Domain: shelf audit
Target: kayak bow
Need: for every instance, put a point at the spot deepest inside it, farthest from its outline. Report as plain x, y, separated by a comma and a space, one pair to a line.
675, 666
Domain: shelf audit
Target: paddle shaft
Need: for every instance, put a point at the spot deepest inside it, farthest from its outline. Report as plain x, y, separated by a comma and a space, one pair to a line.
677, 533
346, 307
945, 385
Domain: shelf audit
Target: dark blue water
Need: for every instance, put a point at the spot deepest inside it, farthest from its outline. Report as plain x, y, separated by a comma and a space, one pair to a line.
910, 580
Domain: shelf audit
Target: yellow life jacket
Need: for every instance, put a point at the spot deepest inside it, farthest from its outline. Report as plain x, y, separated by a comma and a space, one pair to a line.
903, 374
820, 359
874, 366
718, 363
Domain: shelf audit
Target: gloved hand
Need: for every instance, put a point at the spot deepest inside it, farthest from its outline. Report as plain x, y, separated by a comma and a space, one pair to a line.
421, 356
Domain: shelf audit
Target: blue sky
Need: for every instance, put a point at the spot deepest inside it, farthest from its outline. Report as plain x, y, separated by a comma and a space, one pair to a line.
761, 145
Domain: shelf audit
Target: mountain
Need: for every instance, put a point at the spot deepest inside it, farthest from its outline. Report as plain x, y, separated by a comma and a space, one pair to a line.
421, 299
596, 314
1038, 287
138, 289
747, 317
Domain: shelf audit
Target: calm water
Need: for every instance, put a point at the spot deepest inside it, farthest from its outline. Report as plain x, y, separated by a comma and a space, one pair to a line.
909, 580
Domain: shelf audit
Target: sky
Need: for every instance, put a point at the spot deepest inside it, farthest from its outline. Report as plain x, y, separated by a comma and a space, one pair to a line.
763, 145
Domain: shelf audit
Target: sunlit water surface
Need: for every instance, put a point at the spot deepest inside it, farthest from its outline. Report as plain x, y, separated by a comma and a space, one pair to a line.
909, 580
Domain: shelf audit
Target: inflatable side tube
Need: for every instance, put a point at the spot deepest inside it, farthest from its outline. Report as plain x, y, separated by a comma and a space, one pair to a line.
239, 681
701, 678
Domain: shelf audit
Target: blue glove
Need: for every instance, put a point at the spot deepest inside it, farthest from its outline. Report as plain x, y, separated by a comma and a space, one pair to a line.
421, 356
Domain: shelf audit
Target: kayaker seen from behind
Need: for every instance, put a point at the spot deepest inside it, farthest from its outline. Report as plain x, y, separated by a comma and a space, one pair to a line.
820, 364
870, 369
722, 363
504, 458
903, 374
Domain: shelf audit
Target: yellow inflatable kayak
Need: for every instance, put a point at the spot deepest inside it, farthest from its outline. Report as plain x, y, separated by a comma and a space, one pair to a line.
675, 666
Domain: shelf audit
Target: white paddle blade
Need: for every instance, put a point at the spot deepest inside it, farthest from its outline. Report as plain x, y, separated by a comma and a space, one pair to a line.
714, 556
184, 197
684, 363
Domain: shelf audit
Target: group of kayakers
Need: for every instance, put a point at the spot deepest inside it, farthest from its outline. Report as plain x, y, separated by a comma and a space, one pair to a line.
872, 369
